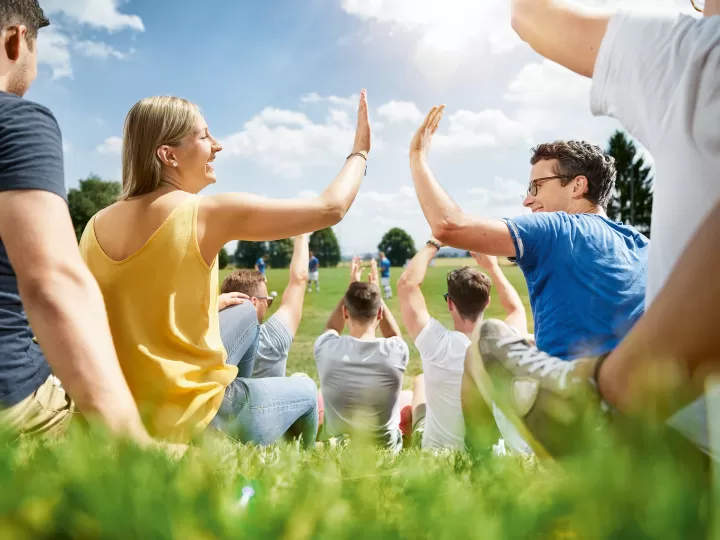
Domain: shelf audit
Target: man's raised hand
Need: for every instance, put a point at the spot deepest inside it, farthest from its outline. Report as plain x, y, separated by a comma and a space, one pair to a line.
373, 276
356, 270
421, 142
488, 262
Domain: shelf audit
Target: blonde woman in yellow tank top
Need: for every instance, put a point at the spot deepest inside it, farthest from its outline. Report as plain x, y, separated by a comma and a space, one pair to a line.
154, 255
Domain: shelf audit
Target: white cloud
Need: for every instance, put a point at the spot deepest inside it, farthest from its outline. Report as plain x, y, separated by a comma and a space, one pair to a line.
484, 129
314, 97
397, 112
288, 142
98, 49
67, 147
101, 14
546, 83
111, 145
54, 51
307, 194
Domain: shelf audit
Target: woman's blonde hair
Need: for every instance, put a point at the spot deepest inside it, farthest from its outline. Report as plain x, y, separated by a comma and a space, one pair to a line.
151, 123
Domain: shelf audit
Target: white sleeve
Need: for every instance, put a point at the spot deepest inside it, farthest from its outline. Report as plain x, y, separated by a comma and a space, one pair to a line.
323, 343
400, 351
432, 342
653, 69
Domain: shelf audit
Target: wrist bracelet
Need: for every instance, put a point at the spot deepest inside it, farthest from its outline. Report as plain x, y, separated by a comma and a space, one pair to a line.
361, 155
434, 243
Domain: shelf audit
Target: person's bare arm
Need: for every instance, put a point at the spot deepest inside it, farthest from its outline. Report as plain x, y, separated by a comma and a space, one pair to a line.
413, 309
388, 325
509, 297
65, 308
448, 222
337, 320
576, 46
293, 298
242, 216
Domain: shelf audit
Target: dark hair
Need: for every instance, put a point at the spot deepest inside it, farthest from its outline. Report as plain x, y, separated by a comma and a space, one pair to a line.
580, 158
470, 291
362, 301
243, 281
26, 12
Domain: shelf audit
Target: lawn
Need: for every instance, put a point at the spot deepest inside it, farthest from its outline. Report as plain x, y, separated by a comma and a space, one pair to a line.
334, 282
88, 487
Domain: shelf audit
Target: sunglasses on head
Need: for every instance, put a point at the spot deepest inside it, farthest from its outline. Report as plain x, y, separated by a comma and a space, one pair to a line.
268, 299
699, 5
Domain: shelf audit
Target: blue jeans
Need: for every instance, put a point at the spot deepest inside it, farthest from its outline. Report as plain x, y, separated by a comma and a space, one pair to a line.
262, 411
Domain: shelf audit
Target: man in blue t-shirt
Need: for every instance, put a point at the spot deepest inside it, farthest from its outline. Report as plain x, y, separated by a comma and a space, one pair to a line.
385, 275
42, 276
313, 273
261, 263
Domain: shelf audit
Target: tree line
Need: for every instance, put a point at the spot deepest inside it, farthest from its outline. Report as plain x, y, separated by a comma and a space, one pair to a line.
631, 204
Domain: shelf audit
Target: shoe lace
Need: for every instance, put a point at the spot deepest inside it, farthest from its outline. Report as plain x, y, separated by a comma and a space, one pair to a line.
536, 360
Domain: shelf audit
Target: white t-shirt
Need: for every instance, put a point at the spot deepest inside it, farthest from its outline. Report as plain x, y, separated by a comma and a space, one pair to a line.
659, 75
273, 349
442, 352
361, 383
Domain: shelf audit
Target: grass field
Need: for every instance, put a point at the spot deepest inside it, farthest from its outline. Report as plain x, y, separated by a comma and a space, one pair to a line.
334, 282
87, 487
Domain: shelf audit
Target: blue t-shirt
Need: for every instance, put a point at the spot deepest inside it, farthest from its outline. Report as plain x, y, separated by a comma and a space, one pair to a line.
586, 276
31, 157
314, 264
261, 265
385, 267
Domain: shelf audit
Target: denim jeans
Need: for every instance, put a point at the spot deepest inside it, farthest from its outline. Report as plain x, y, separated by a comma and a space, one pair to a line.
262, 411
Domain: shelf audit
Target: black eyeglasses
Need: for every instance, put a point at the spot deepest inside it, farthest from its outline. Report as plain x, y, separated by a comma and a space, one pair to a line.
533, 187
699, 5
446, 296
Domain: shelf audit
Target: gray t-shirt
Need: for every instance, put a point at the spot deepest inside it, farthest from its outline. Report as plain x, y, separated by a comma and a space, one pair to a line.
273, 349
361, 383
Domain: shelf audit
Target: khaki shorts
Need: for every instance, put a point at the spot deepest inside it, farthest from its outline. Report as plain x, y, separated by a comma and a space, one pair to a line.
46, 413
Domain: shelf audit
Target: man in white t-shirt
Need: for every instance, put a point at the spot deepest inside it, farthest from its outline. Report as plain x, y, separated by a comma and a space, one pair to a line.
437, 415
361, 375
278, 332
658, 74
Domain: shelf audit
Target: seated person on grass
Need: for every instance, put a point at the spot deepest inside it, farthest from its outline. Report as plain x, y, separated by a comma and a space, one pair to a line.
437, 415
278, 332
361, 375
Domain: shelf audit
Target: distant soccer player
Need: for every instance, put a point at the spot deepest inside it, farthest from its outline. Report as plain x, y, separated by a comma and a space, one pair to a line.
314, 273
261, 263
385, 275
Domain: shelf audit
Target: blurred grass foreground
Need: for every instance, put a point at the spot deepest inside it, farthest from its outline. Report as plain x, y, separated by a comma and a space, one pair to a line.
91, 487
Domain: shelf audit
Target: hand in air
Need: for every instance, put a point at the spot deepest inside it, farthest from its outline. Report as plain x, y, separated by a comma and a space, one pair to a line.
420, 144
231, 299
373, 276
488, 262
362, 132
356, 270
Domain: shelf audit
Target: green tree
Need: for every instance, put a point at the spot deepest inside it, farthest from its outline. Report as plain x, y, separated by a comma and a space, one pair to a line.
398, 246
325, 245
89, 198
280, 252
247, 253
223, 259
632, 199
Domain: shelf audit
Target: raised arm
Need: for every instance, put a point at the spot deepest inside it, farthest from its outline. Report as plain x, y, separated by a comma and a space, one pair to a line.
448, 222
242, 216
65, 308
337, 321
576, 46
413, 309
509, 297
388, 325
293, 298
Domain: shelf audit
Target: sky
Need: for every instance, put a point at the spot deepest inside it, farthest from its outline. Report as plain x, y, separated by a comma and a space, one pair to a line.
278, 80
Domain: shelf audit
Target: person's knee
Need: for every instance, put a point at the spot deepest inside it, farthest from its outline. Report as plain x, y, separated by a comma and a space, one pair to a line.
306, 385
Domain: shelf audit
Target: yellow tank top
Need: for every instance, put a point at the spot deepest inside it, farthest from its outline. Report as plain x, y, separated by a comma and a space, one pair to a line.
162, 306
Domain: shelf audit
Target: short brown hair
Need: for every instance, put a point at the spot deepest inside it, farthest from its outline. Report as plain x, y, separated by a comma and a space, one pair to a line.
362, 300
243, 281
580, 158
470, 291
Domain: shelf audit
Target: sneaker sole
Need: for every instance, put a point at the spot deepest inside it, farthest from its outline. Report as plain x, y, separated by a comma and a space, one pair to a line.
484, 383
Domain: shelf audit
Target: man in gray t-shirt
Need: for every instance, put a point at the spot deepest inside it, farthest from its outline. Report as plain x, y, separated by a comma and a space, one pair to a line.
278, 332
361, 375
